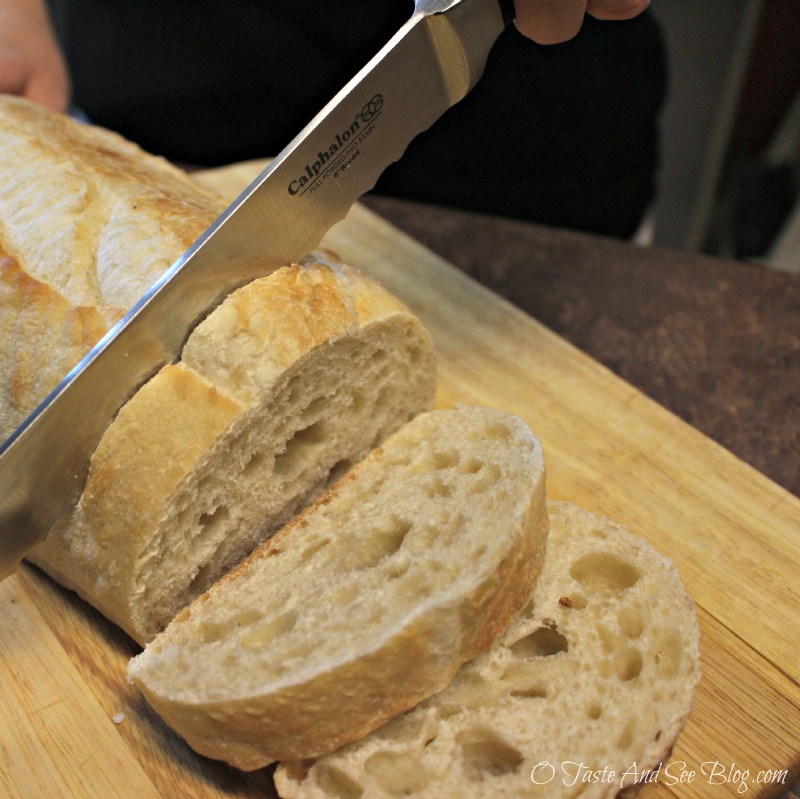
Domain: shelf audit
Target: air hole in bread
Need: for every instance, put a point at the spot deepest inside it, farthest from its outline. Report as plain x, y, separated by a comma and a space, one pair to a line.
488, 477
594, 711
438, 489
314, 409
534, 692
486, 754
470, 466
334, 782
599, 533
246, 617
397, 570
424, 537
378, 357
626, 736
544, 642
398, 773
414, 355
254, 463
391, 538
231, 660
260, 636
403, 728
601, 571
518, 681
208, 521
201, 580
290, 390
628, 664
528, 609
338, 470
445, 460
436, 567
497, 430
211, 630
631, 622
296, 454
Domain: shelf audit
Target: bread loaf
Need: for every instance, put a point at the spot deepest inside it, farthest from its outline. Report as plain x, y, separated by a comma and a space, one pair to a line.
291, 379
88, 222
596, 677
364, 604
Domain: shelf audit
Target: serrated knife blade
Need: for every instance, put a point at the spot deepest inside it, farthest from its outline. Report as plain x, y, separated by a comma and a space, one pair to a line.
429, 64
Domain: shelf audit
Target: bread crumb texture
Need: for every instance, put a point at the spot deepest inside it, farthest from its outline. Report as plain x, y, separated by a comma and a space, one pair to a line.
368, 602
599, 669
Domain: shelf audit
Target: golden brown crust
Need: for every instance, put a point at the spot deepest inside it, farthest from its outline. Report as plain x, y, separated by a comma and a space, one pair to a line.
31, 316
88, 223
184, 207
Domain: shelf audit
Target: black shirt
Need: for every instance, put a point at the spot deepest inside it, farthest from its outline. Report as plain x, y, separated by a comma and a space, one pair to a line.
564, 135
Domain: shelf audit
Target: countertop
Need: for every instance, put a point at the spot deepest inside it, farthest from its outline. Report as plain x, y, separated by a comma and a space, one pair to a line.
715, 341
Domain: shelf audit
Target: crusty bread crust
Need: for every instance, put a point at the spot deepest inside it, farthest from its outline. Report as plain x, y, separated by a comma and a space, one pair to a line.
87, 222
461, 595
31, 313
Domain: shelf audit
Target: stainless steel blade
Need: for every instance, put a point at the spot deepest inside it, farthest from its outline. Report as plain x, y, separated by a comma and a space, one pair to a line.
430, 64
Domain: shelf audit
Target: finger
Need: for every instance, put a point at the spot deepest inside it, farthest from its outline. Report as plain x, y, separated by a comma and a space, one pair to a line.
13, 73
616, 9
550, 21
49, 87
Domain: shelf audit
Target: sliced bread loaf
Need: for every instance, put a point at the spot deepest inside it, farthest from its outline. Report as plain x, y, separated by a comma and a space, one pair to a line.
366, 603
293, 378
288, 381
585, 692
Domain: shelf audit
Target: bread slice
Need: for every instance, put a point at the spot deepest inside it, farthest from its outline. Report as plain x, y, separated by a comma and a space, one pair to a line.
600, 669
292, 379
366, 603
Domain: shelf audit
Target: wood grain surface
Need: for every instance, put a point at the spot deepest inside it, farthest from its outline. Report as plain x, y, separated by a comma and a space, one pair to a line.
714, 340
70, 725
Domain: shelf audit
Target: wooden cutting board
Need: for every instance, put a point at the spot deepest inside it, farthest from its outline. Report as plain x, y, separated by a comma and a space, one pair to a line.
70, 725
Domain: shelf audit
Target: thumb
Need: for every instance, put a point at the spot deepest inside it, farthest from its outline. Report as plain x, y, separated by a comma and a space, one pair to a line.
550, 21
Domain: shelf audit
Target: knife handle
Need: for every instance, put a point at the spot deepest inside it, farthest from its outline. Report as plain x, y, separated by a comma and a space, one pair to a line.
427, 7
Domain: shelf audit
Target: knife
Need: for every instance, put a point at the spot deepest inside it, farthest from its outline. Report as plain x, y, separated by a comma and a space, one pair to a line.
427, 66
